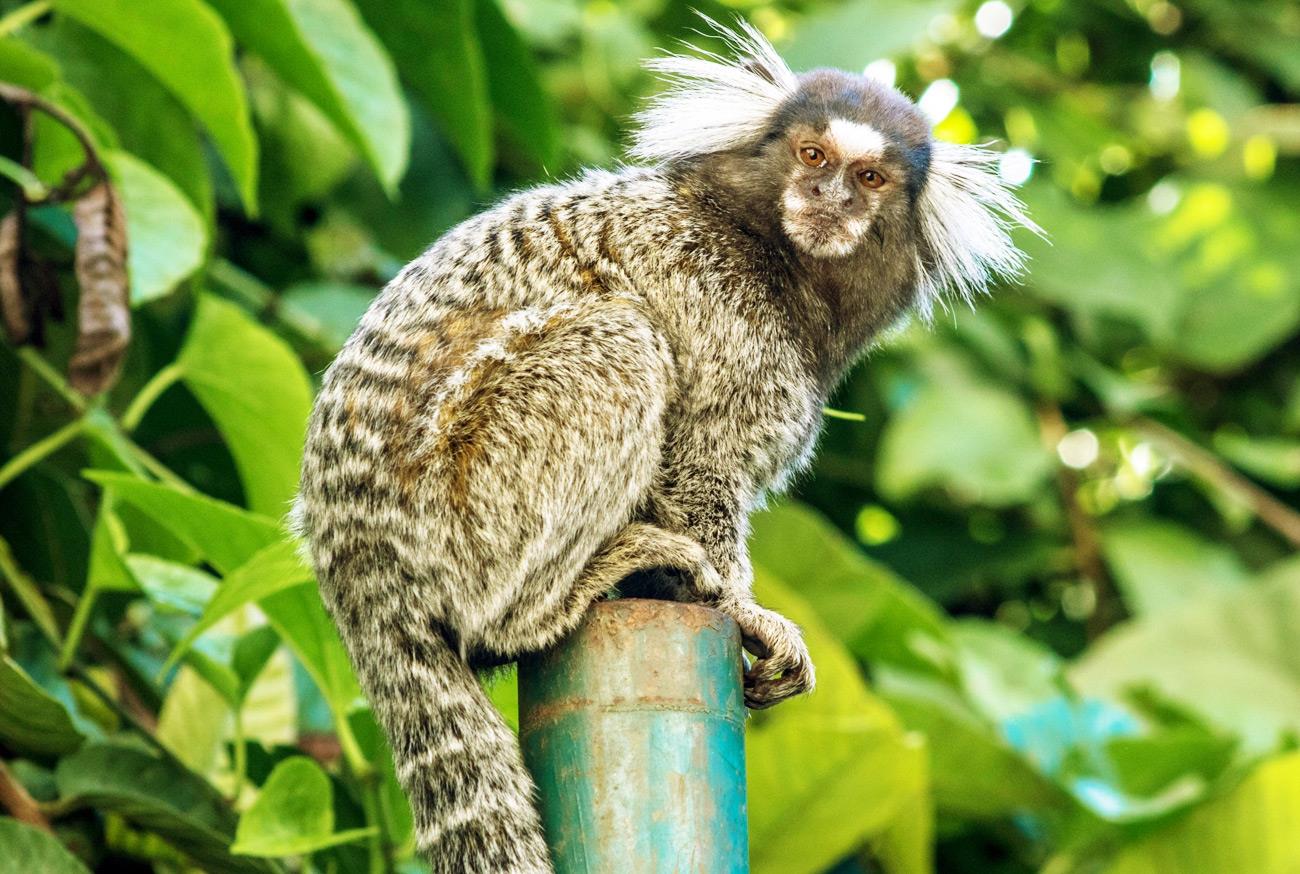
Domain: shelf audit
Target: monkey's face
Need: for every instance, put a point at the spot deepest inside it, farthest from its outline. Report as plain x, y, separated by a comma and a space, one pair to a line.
839, 181
853, 157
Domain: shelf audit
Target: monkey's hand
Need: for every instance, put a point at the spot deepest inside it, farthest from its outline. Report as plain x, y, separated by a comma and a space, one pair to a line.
783, 667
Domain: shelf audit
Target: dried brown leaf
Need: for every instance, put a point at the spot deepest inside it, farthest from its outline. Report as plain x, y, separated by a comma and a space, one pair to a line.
103, 311
13, 304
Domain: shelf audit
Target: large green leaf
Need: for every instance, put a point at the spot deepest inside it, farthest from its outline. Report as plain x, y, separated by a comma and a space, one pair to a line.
852, 35
1160, 565
150, 123
976, 440
224, 534
877, 615
256, 390
975, 773
1252, 828
520, 103
171, 584
299, 616
30, 850
157, 796
828, 771
32, 720
1004, 674
294, 814
323, 49
162, 33
272, 569
327, 312
1231, 657
166, 237
437, 49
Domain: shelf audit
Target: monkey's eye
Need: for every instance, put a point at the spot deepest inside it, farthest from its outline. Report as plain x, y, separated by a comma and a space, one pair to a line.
872, 178
812, 156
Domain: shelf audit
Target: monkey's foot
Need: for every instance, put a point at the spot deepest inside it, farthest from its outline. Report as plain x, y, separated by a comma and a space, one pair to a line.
783, 667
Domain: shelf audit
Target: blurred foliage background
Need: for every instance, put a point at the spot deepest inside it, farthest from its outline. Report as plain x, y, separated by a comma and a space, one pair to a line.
1047, 569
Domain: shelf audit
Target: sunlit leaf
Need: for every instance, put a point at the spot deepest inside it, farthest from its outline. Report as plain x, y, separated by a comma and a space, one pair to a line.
1251, 828
227, 353
828, 771
28, 850
224, 534
437, 49
874, 613
294, 814
1159, 565
324, 50
206, 83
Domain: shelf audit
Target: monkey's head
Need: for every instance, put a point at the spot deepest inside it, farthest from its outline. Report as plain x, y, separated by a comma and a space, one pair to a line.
839, 165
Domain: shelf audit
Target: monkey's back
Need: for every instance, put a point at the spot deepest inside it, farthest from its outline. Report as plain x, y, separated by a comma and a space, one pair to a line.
496, 416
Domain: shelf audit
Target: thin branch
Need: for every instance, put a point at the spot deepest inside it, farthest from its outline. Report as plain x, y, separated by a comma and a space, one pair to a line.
1203, 463
39, 451
1088, 558
42, 368
15, 799
22, 97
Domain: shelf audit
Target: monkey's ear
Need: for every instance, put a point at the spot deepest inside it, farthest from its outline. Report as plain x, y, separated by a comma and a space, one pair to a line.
714, 103
967, 213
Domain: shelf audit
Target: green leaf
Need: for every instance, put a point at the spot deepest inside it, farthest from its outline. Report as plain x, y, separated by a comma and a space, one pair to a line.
852, 35
194, 721
157, 796
437, 49
874, 613
171, 584
1231, 657
166, 237
1273, 459
327, 312
30, 850
272, 569
1251, 828
20, 64
31, 720
150, 123
206, 83
324, 50
300, 618
293, 815
975, 773
1004, 674
827, 771
521, 105
1159, 565
225, 356
976, 440
224, 534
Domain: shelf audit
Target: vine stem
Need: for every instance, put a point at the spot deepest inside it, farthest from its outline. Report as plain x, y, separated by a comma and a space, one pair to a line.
23, 16
40, 450
152, 390
42, 368
15, 799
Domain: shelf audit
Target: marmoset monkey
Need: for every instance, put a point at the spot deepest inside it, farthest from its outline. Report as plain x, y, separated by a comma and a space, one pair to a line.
602, 378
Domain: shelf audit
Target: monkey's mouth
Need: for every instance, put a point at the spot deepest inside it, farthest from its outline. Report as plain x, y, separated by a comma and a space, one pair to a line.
821, 233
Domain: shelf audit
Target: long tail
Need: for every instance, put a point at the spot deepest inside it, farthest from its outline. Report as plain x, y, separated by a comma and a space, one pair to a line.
456, 758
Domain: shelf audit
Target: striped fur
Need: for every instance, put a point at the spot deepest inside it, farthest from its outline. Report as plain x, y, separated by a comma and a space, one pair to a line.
593, 384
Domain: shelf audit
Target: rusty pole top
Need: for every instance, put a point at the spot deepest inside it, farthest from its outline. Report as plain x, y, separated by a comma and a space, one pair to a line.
634, 731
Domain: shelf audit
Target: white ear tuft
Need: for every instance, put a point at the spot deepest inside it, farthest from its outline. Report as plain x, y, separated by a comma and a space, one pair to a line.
967, 214
713, 103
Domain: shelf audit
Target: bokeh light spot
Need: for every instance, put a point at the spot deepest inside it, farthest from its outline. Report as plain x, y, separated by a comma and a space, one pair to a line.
1078, 449
993, 19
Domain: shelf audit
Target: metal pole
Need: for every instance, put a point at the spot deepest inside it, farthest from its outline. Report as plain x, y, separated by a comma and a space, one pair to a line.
633, 728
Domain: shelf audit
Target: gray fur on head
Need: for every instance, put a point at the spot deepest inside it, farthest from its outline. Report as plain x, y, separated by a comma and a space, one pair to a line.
713, 104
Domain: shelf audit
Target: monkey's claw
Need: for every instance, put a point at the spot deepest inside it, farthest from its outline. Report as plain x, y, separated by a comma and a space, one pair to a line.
783, 667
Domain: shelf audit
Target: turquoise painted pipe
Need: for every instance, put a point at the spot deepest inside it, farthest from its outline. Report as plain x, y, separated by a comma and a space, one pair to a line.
633, 728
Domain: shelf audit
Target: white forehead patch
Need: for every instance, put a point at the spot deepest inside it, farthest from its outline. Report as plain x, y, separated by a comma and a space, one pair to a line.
854, 138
